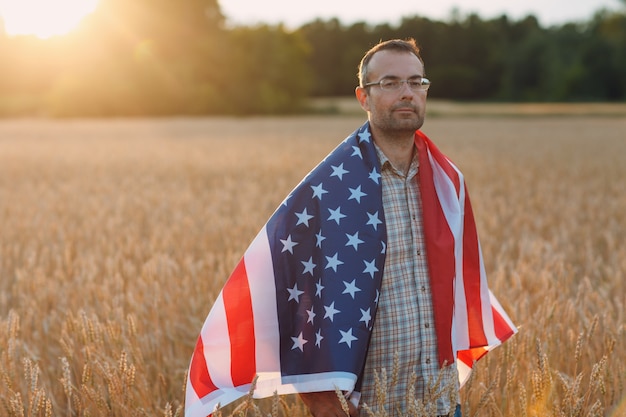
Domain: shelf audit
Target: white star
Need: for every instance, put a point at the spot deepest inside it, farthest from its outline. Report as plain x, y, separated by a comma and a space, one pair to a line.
356, 151
356, 193
318, 191
366, 317
354, 241
351, 288
374, 221
377, 296
311, 315
319, 238
333, 262
370, 268
338, 171
346, 337
288, 244
384, 249
374, 176
336, 214
330, 311
318, 338
365, 136
308, 266
318, 288
295, 293
303, 218
299, 342
286, 199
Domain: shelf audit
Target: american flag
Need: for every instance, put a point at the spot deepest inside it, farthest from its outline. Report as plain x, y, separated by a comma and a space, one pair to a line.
298, 309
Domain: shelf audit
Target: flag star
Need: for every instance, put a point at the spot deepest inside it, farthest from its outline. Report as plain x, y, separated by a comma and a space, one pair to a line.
338, 171
318, 288
370, 268
384, 249
308, 266
286, 199
288, 244
295, 293
333, 262
351, 288
356, 151
330, 311
319, 238
353, 240
318, 338
374, 221
365, 136
356, 193
346, 337
311, 315
303, 218
298, 342
336, 214
377, 296
374, 176
318, 191
366, 317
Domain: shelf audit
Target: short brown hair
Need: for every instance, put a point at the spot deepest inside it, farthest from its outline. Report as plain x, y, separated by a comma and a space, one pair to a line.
399, 45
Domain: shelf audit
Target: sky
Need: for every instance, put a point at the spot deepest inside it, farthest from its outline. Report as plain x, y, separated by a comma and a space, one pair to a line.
294, 13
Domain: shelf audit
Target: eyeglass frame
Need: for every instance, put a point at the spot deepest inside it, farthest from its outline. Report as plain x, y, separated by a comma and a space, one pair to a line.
423, 86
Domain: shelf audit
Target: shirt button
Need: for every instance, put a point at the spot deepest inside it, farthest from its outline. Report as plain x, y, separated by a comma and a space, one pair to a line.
427, 325
423, 288
427, 360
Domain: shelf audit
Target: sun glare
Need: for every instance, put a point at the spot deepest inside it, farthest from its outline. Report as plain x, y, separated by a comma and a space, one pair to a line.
43, 18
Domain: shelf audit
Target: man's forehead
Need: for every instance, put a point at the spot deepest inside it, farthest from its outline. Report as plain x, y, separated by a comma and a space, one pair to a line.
391, 61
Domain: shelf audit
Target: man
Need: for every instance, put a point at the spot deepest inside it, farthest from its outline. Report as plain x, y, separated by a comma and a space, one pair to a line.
374, 256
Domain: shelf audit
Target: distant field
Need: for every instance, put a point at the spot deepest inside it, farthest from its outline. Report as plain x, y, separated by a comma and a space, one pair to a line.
116, 236
443, 108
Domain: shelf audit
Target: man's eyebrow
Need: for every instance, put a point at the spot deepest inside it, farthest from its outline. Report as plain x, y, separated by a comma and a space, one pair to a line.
395, 77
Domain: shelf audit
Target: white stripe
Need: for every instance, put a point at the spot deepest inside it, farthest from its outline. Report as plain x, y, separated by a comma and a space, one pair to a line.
498, 307
260, 270
190, 394
216, 341
487, 314
209, 404
453, 208
464, 372
268, 383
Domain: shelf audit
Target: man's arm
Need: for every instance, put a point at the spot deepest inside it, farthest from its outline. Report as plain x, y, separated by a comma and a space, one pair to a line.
326, 404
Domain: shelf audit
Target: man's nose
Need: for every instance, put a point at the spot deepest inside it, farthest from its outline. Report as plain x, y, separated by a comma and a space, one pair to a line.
405, 90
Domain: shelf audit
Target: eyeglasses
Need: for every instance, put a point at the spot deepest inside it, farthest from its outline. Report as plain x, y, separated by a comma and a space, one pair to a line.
392, 84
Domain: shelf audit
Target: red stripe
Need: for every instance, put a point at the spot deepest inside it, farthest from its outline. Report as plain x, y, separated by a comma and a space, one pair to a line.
439, 250
443, 162
239, 315
468, 357
501, 327
471, 278
199, 373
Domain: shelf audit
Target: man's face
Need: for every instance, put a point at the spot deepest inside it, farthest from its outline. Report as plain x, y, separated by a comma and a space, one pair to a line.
400, 111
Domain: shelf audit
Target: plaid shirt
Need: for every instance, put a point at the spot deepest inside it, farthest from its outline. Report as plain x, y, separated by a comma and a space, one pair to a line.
404, 321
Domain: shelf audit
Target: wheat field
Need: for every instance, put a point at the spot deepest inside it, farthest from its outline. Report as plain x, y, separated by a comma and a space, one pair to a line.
117, 235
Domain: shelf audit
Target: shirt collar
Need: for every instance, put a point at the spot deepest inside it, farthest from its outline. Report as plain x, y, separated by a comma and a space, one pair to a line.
385, 163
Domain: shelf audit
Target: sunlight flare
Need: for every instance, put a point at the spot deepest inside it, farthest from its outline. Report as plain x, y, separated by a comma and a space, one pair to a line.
43, 18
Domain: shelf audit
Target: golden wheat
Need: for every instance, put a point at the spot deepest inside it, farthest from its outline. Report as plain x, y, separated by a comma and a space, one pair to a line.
116, 236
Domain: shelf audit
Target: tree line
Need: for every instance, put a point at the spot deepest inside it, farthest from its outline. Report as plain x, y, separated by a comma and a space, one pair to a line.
158, 57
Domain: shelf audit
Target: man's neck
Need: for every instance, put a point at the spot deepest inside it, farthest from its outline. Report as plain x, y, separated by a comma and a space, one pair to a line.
398, 149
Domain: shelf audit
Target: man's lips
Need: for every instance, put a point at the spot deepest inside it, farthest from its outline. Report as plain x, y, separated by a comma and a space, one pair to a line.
404, 108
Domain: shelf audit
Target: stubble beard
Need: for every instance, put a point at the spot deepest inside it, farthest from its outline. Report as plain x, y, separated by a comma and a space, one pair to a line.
393, 125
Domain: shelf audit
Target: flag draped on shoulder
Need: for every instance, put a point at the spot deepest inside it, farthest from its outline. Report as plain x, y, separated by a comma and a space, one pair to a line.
298, 309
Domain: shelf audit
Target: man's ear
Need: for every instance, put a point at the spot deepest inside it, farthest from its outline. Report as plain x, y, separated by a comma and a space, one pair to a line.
361, 96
